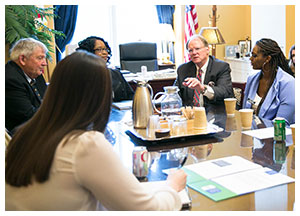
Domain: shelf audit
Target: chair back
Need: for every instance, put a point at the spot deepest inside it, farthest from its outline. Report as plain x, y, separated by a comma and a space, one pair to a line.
238, 90
136, 54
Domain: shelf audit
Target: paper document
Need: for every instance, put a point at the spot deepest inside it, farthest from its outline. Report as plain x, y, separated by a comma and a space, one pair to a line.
265, 133
222, 166
252, 180
123, 105
230, 177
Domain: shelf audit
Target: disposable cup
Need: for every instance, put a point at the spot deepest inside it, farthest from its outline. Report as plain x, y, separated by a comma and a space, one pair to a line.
152, 125
200, 121
230, 104
246, 118
179, 126
190, 126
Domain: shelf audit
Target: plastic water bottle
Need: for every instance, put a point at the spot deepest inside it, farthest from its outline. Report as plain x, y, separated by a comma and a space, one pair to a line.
144, 72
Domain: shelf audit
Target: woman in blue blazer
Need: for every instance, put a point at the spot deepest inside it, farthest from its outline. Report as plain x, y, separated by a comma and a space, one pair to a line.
271, 91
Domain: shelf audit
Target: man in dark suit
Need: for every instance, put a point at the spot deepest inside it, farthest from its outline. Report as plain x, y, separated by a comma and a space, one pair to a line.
24, 83
204, 80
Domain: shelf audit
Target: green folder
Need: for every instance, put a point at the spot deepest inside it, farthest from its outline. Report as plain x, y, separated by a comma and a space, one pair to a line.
206, 187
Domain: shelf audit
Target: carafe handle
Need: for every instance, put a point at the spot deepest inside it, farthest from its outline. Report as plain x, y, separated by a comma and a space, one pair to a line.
151, 95
151, 90
153, 102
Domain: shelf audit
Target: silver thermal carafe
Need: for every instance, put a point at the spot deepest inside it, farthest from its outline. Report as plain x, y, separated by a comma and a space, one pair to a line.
142, 107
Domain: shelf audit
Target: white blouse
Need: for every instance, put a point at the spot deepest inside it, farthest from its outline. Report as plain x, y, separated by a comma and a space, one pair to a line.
86, 170
256, 101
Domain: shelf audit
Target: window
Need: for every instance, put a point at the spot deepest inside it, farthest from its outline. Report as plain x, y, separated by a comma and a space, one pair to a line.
117, 24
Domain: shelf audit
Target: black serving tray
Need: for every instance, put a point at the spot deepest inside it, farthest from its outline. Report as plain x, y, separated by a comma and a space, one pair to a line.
139, 137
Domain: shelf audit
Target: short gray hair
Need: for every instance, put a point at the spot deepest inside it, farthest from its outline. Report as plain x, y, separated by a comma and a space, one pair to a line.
26, 47
204, 41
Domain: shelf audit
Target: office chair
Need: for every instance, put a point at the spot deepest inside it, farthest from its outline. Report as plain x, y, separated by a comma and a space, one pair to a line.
238, 90
136, 54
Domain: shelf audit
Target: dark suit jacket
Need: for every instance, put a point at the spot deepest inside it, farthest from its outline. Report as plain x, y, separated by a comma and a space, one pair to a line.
217, 72
121, 88
20, 101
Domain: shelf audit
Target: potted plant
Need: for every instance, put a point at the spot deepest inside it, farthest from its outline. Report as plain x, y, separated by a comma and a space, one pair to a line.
23, 21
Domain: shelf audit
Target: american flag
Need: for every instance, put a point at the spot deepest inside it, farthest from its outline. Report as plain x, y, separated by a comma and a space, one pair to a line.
191, 25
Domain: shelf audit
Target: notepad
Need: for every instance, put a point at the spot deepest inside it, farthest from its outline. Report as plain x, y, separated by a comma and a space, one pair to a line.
265, 133
232, 176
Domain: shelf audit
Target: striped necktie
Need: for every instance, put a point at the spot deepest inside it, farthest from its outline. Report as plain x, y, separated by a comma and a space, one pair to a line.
197, 94
35, 90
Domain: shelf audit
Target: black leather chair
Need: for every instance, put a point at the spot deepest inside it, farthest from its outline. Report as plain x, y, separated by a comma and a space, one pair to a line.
136, 54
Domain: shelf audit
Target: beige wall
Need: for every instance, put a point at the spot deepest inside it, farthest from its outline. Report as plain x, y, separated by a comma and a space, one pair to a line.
235, 24
290, 28
51, 65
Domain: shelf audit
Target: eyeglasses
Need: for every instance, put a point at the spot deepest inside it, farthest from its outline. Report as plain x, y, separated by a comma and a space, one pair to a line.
101, 50
196, 49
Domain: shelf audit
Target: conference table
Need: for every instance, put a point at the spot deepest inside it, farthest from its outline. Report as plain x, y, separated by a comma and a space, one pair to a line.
231, 141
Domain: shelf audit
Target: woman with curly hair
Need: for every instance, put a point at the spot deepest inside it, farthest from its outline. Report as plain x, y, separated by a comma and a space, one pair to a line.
98, 46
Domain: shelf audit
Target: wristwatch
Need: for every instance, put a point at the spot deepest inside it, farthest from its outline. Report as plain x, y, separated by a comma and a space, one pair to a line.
204, 91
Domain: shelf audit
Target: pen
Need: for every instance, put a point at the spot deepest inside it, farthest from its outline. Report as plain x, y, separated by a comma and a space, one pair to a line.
182, 163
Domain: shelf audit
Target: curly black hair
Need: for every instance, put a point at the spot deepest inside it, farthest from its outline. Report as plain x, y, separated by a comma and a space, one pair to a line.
88, 44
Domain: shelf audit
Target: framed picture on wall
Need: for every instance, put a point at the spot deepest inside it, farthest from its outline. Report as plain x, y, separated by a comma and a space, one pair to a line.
245, 47
231, 50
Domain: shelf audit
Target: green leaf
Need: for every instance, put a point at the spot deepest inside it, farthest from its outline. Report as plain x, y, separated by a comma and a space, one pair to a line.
21, 22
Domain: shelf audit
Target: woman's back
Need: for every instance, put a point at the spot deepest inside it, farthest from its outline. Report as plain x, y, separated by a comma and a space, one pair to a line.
86, 169
61, 192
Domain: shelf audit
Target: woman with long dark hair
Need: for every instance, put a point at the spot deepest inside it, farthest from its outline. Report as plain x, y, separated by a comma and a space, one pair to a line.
60, 159
271, 91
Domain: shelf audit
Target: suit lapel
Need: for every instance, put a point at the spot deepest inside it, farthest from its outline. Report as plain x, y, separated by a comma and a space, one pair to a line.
191, 73
208, 70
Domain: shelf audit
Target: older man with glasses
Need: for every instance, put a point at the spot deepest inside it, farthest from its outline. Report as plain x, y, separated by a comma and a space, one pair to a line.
204, 80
